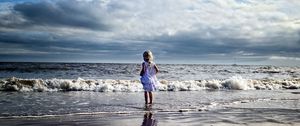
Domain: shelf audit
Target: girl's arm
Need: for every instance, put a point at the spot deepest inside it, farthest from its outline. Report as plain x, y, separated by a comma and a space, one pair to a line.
142, 71
156, 68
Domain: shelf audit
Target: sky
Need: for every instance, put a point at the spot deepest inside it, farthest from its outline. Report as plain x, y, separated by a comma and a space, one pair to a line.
259, 32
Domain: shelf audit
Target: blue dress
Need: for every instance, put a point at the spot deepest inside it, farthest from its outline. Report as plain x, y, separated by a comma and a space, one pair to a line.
149, 79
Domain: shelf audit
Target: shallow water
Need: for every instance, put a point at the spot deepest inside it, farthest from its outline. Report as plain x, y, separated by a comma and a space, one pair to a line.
221, 107
59, 103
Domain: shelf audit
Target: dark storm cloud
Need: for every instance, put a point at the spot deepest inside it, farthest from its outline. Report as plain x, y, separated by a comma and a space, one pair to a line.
63, 13
298, 37
22, 40
56, 44
52, 47
191, 44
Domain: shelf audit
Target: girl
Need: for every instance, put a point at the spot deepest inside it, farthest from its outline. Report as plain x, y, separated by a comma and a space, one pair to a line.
148, 76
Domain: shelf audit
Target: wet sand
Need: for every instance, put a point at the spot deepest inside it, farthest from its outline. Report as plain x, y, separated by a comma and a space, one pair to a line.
239, 117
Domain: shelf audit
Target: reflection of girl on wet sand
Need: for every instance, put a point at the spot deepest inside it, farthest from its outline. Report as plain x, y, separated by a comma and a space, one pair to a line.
148, 120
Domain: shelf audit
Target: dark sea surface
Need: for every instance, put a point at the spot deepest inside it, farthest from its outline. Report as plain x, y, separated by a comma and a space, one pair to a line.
131, 71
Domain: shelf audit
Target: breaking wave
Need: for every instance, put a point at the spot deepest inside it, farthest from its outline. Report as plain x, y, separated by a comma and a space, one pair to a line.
109, 85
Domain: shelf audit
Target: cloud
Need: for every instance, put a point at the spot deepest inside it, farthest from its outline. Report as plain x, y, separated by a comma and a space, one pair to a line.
188, 29
63, 13
284, 58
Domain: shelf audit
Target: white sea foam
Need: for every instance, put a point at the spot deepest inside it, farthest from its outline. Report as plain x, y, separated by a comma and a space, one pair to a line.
109, 85
237, 83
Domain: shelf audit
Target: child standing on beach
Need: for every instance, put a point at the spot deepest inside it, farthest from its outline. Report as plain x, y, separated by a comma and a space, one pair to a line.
148, 76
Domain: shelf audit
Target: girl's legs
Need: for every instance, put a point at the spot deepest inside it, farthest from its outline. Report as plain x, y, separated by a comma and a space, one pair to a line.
146, 97
150, 97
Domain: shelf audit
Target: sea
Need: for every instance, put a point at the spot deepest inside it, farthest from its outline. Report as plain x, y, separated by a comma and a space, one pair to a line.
33, 93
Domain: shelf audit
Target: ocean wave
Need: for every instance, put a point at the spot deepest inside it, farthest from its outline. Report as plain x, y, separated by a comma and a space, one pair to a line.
109, 85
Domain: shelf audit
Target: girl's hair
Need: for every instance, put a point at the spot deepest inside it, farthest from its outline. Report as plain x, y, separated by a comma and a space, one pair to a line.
148, 56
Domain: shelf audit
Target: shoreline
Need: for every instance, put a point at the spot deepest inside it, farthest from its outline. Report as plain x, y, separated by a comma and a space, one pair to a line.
230, 107
235, 116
